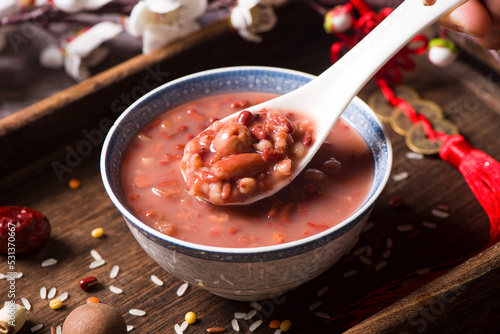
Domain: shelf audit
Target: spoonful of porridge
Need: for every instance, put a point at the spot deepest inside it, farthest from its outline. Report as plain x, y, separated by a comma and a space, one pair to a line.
254, 153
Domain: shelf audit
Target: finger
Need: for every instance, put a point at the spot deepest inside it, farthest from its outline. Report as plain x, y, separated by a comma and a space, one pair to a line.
472, 18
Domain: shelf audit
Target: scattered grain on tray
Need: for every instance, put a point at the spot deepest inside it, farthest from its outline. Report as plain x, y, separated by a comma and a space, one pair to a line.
395, 202
58, 330
190, 317
91, 300
401, 176
386, 253
36, 328
379, 266
235, 325
404, 228
256, 306
216, 330
423, 271
129, 328
55, 304
114, 271
239, 315
365, 260
156, 280
115, 290
97, 233
278, 331
414, 156
95, 254
359, 251
322, 315
389, 243
74, 184
315, 305
368, 226
250, 314
182, 289
26, 303
53, 330
429, 224
96, 264
274, 324
369, 251
2, 276
137, 312
16, 275
52, 293
322, 291
286, 324
443, 207
177, 329
255, 325
49, 262
440, 213
63, 296
43, 292
350, 273
184, 325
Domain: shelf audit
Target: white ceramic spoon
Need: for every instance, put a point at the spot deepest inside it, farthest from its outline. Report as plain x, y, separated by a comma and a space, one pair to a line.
326, 97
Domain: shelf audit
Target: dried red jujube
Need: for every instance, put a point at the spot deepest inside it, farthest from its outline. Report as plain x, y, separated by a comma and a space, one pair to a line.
22, 230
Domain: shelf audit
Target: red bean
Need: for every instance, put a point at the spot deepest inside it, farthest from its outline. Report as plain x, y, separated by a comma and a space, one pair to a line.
88, 283
285, 122
395, 202
182, 128
272, 155
308, 138
245, 117
258, 132
240, 104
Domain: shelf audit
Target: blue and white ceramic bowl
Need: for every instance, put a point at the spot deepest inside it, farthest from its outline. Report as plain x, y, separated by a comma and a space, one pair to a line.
241, 273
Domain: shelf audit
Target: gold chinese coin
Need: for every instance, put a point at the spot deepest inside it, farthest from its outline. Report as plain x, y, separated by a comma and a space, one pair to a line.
417, 140
383, 108
401, 122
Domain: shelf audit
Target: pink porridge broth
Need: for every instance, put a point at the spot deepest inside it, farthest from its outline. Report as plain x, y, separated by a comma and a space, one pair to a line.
329, 190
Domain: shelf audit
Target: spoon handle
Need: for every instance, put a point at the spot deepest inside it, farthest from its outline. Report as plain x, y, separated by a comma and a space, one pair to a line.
336, 87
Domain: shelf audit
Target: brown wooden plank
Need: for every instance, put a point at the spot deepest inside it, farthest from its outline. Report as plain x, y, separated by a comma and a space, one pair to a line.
468, 98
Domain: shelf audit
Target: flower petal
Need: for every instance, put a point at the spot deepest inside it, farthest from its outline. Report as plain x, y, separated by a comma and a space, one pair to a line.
193, 8
140, 16
75, 68
163, 6
52, 57
83, 44
8, 7
73, 6
159, 35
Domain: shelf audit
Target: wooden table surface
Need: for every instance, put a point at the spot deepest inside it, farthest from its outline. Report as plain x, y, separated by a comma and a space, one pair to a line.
464, 300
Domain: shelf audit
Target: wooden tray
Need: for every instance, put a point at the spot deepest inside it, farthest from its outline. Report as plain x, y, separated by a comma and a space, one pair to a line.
463, 300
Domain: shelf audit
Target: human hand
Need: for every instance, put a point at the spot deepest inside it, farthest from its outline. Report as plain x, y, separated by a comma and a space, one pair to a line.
477, 18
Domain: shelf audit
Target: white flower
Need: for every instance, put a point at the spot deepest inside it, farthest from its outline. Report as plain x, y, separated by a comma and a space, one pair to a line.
160, 22
73, 6
251, 17
82, 52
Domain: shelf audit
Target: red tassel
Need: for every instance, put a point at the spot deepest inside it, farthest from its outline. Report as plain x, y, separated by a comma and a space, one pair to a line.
482, 174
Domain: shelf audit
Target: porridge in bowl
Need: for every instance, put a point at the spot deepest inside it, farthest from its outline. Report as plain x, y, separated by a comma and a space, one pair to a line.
329, 190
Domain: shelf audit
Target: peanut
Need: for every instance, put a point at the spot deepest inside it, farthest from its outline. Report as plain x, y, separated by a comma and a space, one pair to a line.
238, 166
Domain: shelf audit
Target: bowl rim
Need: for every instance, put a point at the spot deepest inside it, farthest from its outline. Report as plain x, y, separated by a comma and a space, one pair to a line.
150, 232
